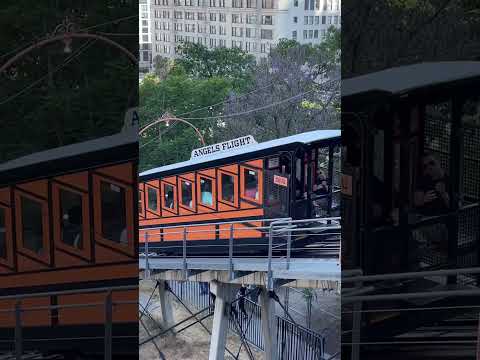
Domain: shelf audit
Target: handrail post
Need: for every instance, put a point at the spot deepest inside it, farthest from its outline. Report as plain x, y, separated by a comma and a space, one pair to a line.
147, 263
289, 243
230, 252
270, 246
357, 323
18, 331
108, 326
185, 252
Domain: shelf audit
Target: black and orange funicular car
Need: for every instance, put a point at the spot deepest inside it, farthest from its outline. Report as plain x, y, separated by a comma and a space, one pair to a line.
239, 180
68, 224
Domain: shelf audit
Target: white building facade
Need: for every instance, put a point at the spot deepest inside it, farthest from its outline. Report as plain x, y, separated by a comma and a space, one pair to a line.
145, 35
252, 25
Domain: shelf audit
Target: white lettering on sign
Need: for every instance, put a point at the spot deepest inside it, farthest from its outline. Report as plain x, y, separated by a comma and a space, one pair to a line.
224, 146
347, 185
280, 180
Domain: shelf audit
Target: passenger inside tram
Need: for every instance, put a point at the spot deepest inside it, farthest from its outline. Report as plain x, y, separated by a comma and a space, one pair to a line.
431, 196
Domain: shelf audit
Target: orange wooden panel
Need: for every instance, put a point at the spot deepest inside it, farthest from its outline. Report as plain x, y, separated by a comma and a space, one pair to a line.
188, 176
5, 195
153, 235
122, 172
225, 207
255, 163
104, 255
79, 180
154, 183
30, 317
171, 180
207, 172
39, 187
201, 232
67, 276
81, 315
26, 264
228, 215
230, 168
63, 259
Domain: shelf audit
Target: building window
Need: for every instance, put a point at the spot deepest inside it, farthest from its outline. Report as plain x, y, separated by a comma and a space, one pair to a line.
295, 19
329, 20
145, 38
72, 218
251, 4
237, 32
250, 33
317, 20
310, 34
113, 208
267, 4
266, 34
32, 225
305, 33
305, 20
213, 17
187, 193
251, 184
237, 3
251, 19
295, 3
168, 196
237, 19
213, 29
267, 20
222, 17
222, 30
206, 196
294, 35
3, 234
315, 34
335, 20
324, 20
317, 4
228, 188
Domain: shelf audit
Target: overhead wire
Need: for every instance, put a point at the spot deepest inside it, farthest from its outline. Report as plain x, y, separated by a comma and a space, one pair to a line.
58, 68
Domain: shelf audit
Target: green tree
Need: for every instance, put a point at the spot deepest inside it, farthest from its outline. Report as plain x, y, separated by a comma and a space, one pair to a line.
230, 63
51, 98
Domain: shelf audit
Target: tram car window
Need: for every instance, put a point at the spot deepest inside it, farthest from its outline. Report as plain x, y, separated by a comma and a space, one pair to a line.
248, 182
67, 223
411, 157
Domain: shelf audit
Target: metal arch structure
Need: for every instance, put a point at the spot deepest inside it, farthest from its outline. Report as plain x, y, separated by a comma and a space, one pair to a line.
65, 37
166, 119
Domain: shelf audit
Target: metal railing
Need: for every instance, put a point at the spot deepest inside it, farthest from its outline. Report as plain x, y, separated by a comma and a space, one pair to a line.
295, 342
108, 305
365, 290
282, 237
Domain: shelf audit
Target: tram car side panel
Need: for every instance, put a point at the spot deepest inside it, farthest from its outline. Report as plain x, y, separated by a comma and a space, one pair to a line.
72, 231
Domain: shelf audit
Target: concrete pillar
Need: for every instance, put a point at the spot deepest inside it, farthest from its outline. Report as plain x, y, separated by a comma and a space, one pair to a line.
269, 325
166, 308
223, 296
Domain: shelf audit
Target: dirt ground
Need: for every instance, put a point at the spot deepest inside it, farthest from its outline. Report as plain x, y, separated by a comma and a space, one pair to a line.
191, 344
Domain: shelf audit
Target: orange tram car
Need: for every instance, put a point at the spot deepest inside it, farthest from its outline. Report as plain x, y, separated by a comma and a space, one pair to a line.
238, 180
67, 223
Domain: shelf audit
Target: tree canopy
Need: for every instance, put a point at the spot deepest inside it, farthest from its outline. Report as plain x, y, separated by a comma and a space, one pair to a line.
226, 94
50, 97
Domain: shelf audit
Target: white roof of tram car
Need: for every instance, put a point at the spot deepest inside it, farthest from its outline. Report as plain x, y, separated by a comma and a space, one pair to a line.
305, 138
410, 77
68, 151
